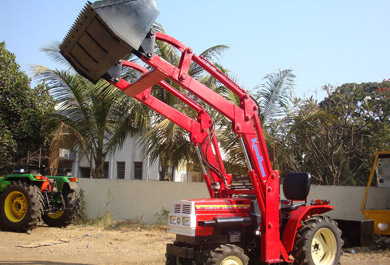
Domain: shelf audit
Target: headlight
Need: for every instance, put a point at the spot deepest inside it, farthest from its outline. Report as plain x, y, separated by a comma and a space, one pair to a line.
383, 226
172, 220
186, 221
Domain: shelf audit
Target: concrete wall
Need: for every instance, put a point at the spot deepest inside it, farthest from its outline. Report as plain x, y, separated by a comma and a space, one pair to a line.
347, 200
134, 200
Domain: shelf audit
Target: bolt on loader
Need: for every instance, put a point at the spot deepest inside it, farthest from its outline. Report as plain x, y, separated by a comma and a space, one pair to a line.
241, 222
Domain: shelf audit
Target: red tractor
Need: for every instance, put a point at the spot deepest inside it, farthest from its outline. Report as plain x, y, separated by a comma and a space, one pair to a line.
241, 222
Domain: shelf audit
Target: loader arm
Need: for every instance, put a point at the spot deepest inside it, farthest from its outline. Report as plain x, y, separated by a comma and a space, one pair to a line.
201, 130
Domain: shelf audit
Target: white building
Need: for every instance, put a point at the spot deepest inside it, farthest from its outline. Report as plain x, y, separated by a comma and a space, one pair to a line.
126, 163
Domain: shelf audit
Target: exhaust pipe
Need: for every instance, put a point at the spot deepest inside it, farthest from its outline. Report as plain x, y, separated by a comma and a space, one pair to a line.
105, 32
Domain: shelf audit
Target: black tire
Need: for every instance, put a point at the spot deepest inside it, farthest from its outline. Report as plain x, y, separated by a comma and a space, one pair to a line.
21, 206
66, 217
318, 242
227, 254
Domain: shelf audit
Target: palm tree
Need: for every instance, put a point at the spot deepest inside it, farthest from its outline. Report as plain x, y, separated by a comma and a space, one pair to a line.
100, 117
273, 97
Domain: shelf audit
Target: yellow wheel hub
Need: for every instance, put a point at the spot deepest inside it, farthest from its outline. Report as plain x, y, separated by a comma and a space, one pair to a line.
231, 260
324, 247
55, 215
15, 206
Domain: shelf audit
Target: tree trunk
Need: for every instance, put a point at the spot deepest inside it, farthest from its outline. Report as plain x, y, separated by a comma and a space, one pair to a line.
99, 164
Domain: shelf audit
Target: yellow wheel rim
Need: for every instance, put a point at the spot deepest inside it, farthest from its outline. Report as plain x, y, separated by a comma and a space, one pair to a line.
324, 247
15, 206
231, 260
55, 215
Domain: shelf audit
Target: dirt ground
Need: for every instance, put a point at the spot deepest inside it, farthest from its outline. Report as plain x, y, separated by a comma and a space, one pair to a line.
94, 245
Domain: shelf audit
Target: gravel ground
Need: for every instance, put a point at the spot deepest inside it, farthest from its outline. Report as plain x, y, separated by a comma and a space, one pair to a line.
93, 245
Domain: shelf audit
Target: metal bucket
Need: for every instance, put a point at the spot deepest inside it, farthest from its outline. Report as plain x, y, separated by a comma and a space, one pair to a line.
105, 32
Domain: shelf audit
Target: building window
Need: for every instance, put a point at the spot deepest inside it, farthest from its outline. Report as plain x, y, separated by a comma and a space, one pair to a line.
105, 169
120, 170
85, 172
138, 170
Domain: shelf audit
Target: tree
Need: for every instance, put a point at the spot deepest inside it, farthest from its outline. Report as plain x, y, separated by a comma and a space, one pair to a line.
23, 130
336, 139
100, 116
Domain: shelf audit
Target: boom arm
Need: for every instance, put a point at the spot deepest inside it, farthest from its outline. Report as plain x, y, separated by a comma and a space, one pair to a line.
201, 131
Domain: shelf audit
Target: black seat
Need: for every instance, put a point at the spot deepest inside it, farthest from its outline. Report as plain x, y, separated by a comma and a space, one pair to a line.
296, 187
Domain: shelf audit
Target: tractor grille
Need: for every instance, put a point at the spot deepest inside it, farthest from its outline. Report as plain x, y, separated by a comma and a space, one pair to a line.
177, 208
182, 208
186, 209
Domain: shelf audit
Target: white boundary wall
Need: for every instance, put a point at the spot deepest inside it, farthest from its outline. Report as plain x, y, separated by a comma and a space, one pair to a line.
135, 200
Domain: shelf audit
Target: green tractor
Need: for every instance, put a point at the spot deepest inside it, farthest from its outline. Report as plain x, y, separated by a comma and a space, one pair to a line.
26, 199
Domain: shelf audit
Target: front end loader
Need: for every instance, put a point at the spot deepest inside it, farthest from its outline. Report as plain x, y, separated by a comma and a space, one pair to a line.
242, 222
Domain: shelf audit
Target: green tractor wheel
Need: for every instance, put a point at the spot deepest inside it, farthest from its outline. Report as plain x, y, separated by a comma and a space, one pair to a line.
65, 217
21, 206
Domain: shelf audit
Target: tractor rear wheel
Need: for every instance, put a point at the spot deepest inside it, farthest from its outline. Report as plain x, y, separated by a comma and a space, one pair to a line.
21, 206
227, 255
65, 217
318, 242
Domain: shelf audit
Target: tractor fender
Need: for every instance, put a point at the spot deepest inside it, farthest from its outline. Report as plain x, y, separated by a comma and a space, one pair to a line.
64, 183
29, 177
7, 179
70, 186
293, 223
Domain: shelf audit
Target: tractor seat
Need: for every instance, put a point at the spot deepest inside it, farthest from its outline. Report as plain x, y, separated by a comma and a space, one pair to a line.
296, 187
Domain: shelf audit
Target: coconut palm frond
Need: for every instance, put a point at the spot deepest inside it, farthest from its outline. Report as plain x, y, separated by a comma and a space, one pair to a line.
53, 51
275, 94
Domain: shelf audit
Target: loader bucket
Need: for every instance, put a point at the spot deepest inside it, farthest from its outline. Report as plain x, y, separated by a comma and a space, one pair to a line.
105, 32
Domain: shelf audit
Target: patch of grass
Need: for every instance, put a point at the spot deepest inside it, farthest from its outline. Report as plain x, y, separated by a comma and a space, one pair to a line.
104, 220
134, 224
162, 218
82, 215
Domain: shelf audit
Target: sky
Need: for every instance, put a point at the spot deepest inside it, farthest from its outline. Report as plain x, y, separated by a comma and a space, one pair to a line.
323, 41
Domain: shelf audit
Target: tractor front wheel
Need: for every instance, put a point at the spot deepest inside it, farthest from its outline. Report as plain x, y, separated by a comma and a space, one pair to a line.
318, 242
21, 206
227, 255
65, 217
